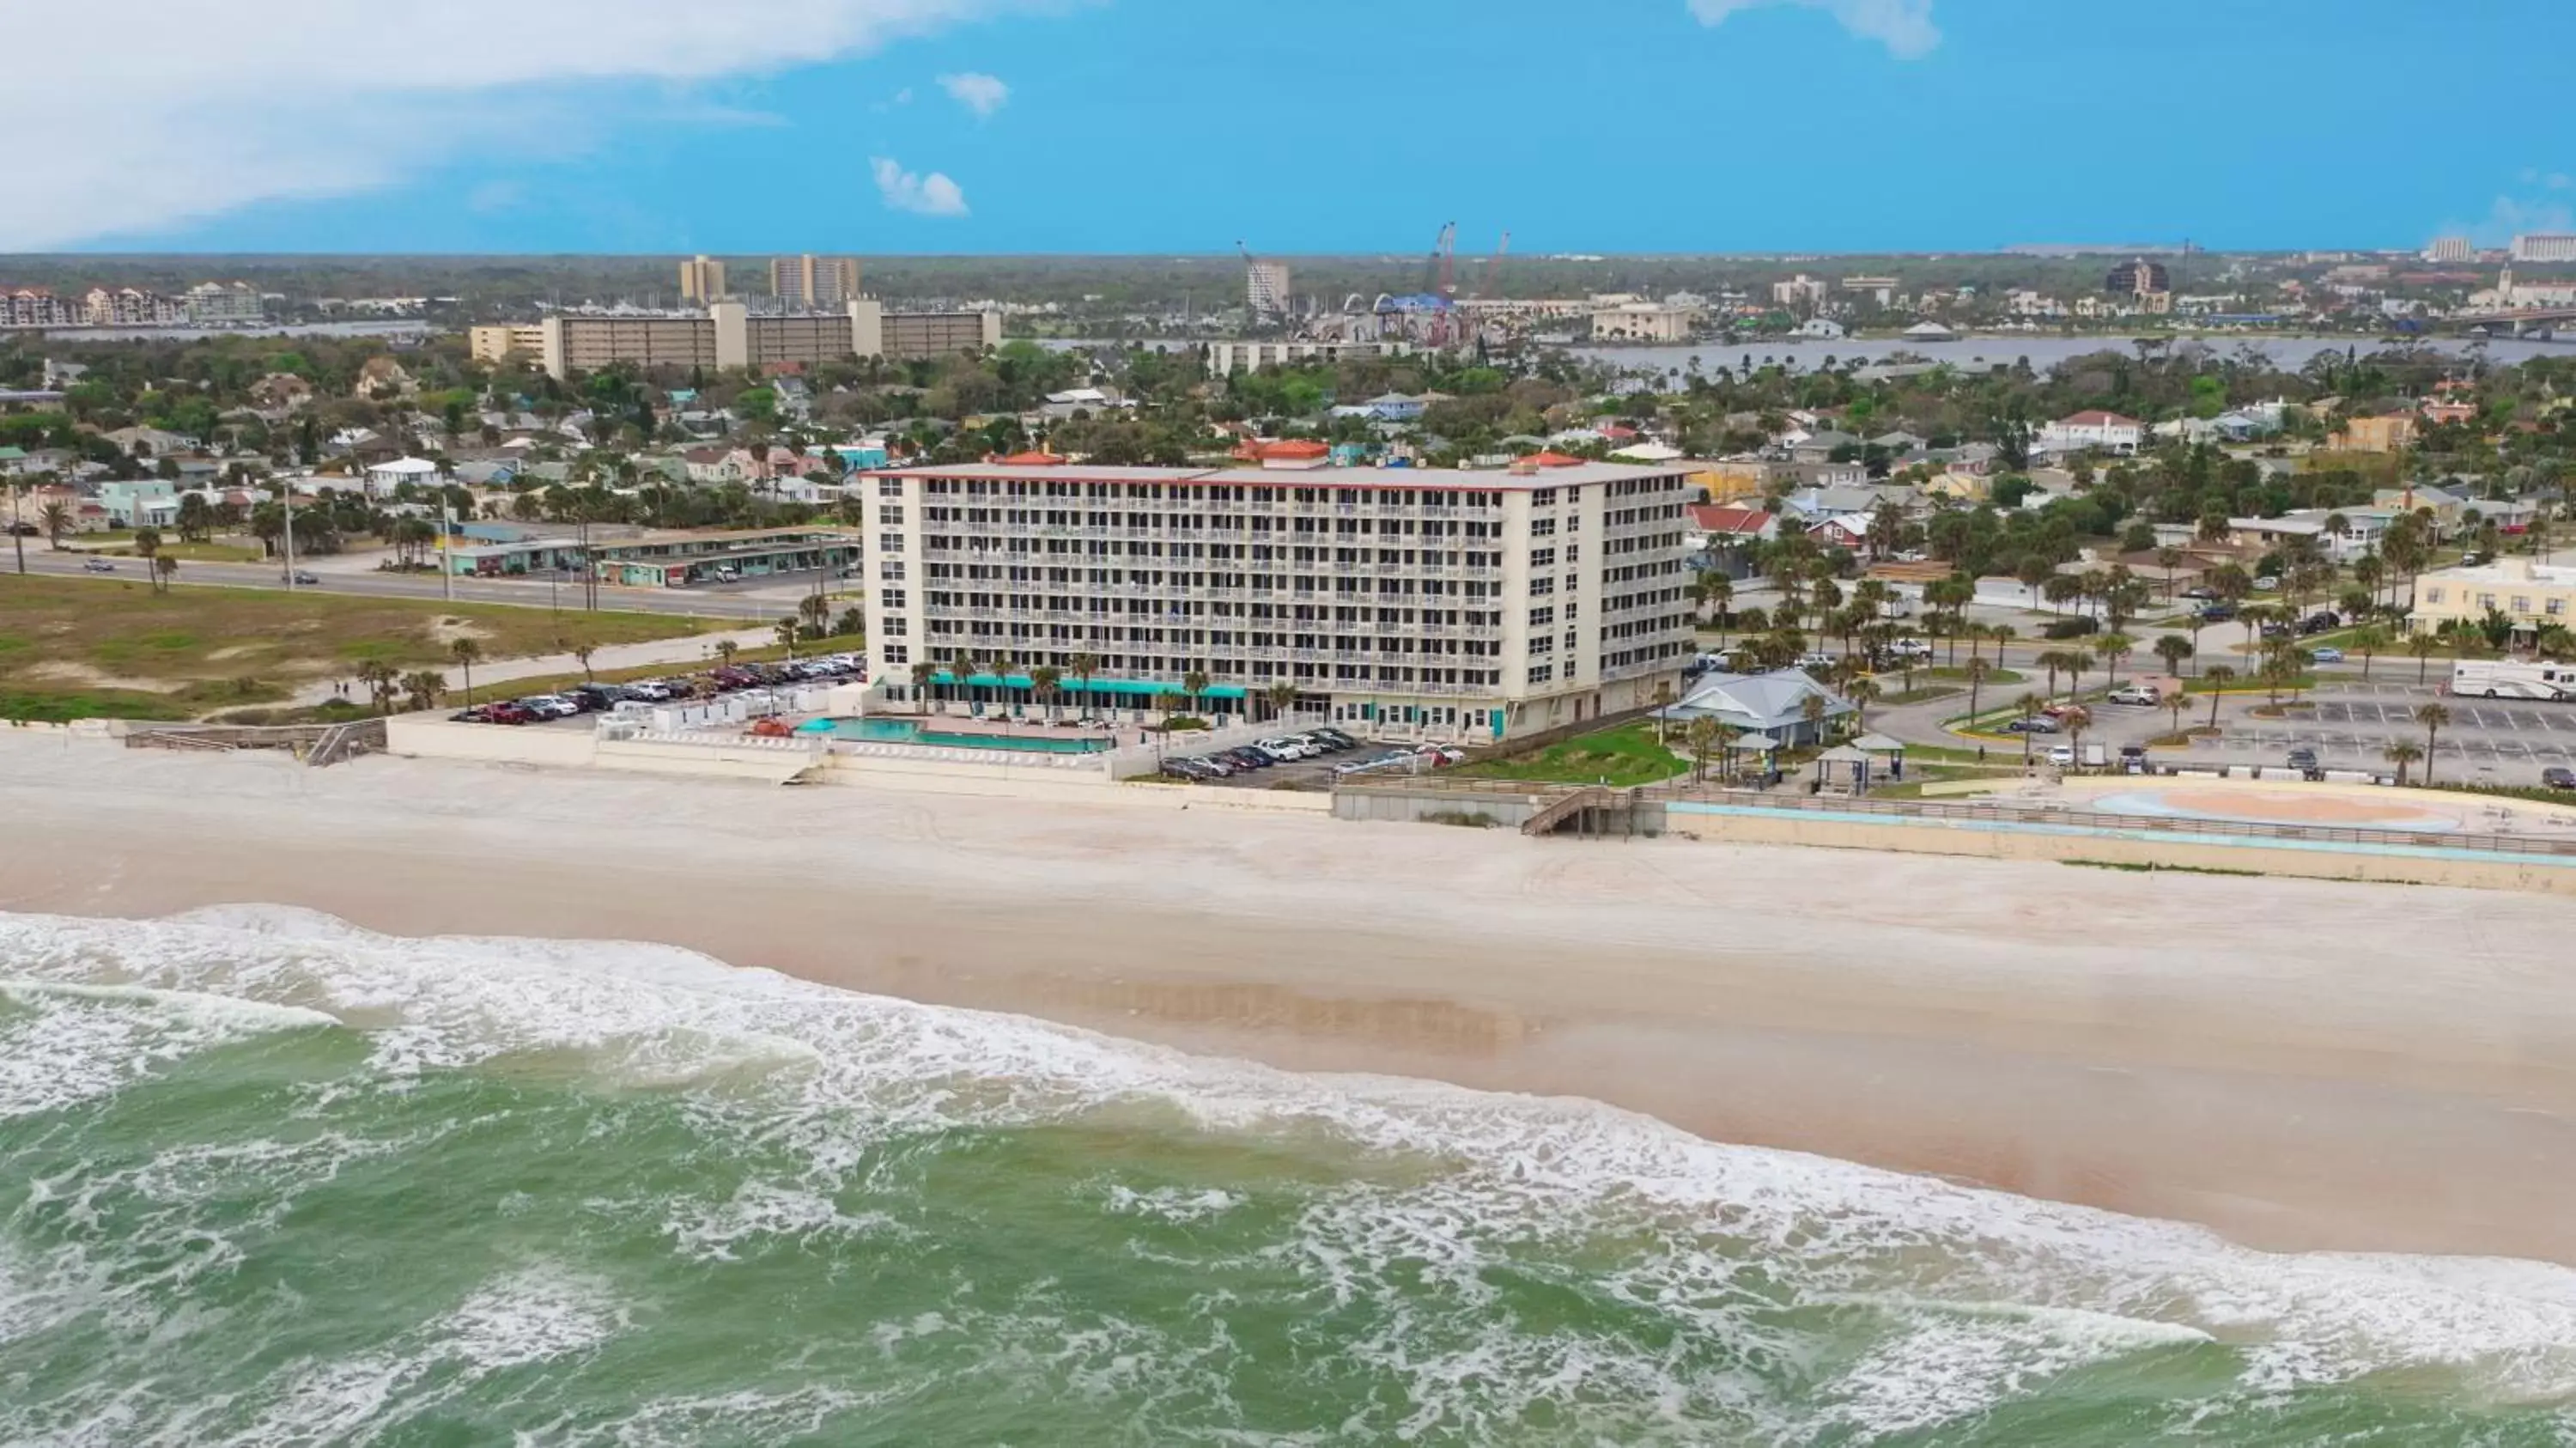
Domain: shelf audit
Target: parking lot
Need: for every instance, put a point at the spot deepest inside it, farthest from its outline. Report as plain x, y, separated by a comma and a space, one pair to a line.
2351, 724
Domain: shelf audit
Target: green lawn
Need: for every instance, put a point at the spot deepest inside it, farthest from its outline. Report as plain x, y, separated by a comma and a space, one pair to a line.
80, 648
1622, 758
1994, 676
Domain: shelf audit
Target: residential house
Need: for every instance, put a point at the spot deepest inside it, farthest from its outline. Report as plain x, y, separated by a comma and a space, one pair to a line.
1773, 704
1726, 479
381, 479
1723, 537
2360, 535
2533, 595
2095, 430
2393, 433
714, 465
383, 378
140, 502
152, 441
1821, 446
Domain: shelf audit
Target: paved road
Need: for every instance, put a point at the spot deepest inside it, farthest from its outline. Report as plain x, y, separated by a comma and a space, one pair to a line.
766, 602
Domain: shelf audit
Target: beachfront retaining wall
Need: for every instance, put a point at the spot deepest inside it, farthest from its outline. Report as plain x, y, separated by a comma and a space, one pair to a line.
429, 736
1381, 804
2429, 863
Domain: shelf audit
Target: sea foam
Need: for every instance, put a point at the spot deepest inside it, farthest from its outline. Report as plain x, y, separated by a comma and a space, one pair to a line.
1991, 1292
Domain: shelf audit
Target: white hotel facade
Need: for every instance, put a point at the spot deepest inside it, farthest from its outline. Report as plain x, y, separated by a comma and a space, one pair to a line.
1472, 603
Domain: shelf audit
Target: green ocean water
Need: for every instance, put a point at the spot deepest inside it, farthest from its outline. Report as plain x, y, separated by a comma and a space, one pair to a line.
266, 1180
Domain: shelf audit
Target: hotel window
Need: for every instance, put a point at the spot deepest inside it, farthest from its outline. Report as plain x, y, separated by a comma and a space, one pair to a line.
890, 597
1542, 617
2557, 606
1541, 673
2486, 600
898, 653
890, 571
2521, 603
1543, 528
889, 487
890, 514
2432, 595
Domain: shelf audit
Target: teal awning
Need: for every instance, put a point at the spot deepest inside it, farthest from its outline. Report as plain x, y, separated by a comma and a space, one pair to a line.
1145, 688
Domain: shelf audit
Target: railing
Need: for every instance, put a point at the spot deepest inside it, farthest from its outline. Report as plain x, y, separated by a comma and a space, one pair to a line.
2087, 819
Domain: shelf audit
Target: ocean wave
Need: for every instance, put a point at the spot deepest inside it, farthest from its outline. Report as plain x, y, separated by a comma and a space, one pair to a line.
1446, 1195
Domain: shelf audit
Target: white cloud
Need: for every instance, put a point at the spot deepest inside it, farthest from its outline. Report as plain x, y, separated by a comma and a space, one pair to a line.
983, 94
1904, 26
2510, 217
931, 195
185, 136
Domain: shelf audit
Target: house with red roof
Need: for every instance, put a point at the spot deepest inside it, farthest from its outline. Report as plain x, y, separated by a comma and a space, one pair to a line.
2095, 431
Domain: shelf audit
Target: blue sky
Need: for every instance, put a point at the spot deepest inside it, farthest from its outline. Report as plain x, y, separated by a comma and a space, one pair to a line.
909, 126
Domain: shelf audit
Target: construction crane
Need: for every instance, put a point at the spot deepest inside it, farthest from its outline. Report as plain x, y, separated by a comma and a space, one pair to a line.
1485, 287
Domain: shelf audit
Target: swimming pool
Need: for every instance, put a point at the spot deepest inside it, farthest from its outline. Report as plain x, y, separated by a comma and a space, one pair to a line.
910, 731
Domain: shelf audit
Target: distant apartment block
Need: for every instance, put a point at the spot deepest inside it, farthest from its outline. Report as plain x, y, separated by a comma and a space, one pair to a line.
1881, 290
1643, 322
2145, 280
225, 304
811, 281
2450, 248
730, 335
36, 307
1265, 288
133, 307
2545, 247
702, 280
495, 343
1226, 358
1801, 290
1481, 602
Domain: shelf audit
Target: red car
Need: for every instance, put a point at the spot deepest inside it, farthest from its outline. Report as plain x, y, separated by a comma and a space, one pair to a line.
508, 714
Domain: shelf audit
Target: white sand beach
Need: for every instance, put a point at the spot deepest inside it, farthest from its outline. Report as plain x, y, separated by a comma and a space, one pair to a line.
2298, 1064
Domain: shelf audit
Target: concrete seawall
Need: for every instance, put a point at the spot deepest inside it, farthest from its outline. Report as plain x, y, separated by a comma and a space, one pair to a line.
2430, 863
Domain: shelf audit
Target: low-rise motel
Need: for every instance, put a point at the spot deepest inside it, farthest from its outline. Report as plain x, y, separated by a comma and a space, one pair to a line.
1492, 602
662, 560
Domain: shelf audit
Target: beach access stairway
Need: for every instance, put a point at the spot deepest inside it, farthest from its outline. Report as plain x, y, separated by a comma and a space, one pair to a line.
316, 744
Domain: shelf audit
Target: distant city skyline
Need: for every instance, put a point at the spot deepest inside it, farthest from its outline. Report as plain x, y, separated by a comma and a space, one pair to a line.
908, 127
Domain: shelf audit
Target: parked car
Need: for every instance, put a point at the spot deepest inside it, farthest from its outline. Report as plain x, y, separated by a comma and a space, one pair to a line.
727, 574
1441, 755
1183, 769
549, 706
2268, 582
2558, 776
2326, 655
1247, 757
652, 691
2133, 759
1338, 738
2317, 623
1283, 749
595, 697
1909, 649
2142, 694
2218, 613
2061, 755
2304, 760
2035, 724
97, 565
2200, 590
1815, 660
2276, 630
507, 714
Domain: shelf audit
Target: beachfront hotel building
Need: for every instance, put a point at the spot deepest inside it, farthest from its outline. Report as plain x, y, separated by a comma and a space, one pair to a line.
730, 335
1475, 603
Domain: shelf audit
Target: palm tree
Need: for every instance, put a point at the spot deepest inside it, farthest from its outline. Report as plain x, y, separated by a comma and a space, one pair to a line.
1864, 692
2112, 648
581, 650
56, 519
147, 546
1978, 669
961, 674
380, 678
2075, 721
467, 654
165, 568
2402, 753
2173, 649
816, 610
1812, 709
1043, 682
421, 688
1282, 694
1084, 666
2422, 646
2433, 717
726, 649
2028, 707
2367, 640
2177, 701
2217, 676
2056, 661
788, 631
1193, 684
1702, 738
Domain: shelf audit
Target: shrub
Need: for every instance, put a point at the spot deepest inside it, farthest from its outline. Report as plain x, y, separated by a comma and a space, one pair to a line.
2071, 628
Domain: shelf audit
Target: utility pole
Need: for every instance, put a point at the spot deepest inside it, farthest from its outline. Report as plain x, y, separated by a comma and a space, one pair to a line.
16, 491
286, 493
446, 529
